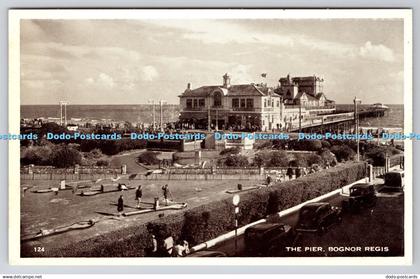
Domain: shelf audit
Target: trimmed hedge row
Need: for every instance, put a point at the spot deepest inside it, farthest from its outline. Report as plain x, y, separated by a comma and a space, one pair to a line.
205, 222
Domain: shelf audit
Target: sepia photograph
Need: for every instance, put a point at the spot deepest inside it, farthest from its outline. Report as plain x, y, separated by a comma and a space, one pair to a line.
260, 136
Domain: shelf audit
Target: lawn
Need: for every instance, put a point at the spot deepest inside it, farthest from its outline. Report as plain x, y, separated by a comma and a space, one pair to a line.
47, 210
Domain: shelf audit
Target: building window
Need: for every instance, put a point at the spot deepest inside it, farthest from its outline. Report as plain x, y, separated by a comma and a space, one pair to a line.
195, 103
265, 103
189, 103
201, 103
278, 103
249, 103
235, 103
242, 103
217, 99
269, 102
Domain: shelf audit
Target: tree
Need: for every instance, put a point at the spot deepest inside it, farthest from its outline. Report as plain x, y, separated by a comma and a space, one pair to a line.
64, 157
236, 161
343, 152
278, 159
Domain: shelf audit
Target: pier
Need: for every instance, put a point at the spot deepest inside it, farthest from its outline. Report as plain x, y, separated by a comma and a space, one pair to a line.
342, 120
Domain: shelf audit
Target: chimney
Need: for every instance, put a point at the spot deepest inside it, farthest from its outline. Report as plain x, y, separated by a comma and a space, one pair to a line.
188, 86
226, 81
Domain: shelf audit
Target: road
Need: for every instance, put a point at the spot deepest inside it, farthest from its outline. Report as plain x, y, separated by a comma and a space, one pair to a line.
360, 231
130, 160
228, 247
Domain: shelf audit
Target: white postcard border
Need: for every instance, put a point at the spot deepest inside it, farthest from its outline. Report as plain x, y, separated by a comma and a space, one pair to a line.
14, 121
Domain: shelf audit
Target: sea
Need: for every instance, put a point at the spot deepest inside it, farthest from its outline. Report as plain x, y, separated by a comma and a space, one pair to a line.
143, 113
394, 116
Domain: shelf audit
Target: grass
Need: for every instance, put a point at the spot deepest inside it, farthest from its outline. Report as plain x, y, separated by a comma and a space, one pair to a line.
46, 211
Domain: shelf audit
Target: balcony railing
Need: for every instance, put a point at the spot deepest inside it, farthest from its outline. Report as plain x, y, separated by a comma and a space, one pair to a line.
310, 107
243, 109
238, 109
194, 108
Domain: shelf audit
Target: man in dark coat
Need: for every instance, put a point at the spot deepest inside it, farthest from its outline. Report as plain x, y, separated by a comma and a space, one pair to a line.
120, 206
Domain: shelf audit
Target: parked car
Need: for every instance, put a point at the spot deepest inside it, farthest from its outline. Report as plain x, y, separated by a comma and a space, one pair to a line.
208, 254
394, 180
261, 238
317, 217
361, 195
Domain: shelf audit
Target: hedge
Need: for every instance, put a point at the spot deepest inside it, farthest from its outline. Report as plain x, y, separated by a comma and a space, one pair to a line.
208, 221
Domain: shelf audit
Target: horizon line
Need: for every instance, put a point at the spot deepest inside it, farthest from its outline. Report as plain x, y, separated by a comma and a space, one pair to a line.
157, 103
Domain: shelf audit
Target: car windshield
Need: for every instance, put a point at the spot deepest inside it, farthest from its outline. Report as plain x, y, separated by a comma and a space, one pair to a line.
307, 215
393, 179
253, 235
355, 191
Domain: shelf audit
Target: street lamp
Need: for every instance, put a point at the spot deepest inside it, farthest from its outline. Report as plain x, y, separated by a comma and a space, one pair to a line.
161, 102
152, 102
235, 201
356, 119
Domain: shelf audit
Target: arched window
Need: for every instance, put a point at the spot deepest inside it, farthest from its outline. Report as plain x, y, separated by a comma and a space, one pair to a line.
217, 99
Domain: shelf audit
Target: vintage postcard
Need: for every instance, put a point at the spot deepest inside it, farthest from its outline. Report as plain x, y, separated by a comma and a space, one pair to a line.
177, 137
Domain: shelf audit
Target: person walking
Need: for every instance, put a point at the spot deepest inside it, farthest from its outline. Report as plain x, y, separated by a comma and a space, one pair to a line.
166, 193
290, 173
139, 194
268, 180
120, 205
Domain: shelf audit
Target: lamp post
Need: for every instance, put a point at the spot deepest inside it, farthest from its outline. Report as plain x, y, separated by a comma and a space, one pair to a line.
300, 117
235, 201
161, 102
356, 119
152, 102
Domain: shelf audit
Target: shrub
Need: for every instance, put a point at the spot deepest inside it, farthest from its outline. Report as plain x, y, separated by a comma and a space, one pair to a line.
325, 144
273, 203
102, 163
263, 145
261, 158
343, 152
278, 159
148, 158
94, 154
230, 151
234, 161
376, 156
64, 157
112, 147
301, 160
307, 145
312, 159
205, 222
51, 127
328, 157
37, 155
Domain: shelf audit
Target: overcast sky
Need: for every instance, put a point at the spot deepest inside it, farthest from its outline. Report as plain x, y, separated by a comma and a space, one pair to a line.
132, 61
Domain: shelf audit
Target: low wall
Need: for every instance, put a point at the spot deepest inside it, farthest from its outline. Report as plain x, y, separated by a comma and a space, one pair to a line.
53, 176
205, 222
193, 176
